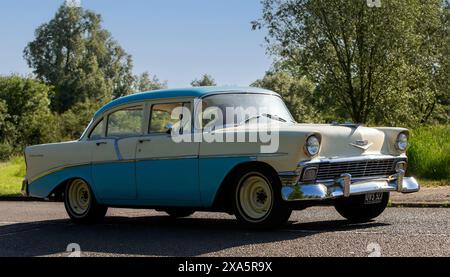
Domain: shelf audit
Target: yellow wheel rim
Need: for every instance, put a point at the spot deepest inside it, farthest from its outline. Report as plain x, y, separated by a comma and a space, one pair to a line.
255, 197
79, 197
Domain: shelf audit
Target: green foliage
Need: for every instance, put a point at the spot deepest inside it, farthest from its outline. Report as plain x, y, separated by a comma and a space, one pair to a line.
80, 58
387, 65
126, 122
205, 81
146, 82
429, 152
6, 151
298, 94
25, 114
73, 122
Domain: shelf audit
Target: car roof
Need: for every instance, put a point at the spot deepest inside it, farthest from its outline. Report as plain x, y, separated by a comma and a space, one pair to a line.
197, 92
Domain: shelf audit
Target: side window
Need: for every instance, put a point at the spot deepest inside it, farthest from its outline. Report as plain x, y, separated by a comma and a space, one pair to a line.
97, 132
161, 117
126, 122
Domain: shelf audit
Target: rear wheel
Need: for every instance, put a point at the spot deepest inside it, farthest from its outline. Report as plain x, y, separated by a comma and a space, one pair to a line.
80, 203
355, 209
257, 199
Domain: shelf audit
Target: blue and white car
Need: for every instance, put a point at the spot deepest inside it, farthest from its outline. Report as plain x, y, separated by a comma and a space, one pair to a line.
138, 152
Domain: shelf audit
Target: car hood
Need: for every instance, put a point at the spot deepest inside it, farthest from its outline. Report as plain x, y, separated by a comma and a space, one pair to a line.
337, 140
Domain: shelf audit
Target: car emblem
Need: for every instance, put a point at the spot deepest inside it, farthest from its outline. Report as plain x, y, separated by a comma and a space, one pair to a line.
362, 144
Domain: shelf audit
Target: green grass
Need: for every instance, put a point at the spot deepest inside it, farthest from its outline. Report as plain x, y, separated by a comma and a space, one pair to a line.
429, 153
433, 183
11, 176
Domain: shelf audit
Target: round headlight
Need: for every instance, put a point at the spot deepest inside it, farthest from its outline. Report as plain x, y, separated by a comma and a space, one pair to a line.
312, 145
402, 142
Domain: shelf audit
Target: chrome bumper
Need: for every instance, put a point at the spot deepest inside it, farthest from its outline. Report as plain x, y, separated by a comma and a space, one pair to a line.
346, 187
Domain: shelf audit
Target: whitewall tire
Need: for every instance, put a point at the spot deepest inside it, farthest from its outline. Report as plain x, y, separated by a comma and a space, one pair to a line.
257, 199
80, 203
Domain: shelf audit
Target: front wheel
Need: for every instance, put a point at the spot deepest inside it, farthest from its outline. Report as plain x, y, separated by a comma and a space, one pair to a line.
257, 199
356, 209
80, 203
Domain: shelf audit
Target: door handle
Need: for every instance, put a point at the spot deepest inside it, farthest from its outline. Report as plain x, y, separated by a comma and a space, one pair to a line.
101, 143
144, 140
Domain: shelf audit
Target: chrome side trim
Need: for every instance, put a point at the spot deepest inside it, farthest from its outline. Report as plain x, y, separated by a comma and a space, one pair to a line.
54, 170
116, 148
59, 168
187, 157
252, 155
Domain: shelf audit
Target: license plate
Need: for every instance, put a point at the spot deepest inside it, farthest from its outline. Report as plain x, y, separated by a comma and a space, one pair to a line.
373, 198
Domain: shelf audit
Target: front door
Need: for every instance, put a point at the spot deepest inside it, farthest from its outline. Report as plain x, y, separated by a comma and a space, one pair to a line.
167, 170
113, 156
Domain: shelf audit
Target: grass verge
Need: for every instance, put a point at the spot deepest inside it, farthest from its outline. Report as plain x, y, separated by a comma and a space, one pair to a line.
11, 177
433, 183
429, 153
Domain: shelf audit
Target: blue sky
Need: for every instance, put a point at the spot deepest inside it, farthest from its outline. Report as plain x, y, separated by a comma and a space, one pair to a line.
178, 40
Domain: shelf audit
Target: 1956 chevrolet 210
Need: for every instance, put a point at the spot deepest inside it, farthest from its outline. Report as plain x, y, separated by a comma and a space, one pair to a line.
127, 157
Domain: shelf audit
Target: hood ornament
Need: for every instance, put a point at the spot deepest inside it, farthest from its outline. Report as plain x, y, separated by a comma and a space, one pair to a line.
362, 144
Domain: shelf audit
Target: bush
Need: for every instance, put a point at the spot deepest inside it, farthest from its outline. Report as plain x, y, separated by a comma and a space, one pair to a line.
429, 152
6, 151
24, 106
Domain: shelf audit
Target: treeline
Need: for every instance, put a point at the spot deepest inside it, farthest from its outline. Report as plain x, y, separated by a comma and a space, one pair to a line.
335, 60
77, 68
343, 60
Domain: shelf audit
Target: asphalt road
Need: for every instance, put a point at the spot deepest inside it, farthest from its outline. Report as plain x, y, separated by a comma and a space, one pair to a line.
43, 229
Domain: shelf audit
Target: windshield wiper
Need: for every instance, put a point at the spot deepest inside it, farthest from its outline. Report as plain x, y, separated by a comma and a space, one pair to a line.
273, 117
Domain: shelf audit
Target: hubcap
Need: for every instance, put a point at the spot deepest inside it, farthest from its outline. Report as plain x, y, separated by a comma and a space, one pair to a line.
255, 197
79, 197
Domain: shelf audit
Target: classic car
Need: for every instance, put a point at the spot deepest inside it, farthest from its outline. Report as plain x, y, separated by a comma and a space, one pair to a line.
130, 156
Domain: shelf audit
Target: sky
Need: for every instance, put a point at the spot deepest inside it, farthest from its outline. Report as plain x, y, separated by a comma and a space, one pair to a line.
178, 40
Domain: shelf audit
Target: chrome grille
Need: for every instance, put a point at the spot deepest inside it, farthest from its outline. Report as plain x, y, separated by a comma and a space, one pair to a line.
357, 169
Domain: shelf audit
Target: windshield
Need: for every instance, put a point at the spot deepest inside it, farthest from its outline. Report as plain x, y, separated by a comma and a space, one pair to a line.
236, 109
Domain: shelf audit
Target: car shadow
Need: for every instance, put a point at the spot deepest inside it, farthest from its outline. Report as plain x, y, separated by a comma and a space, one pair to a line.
152, 236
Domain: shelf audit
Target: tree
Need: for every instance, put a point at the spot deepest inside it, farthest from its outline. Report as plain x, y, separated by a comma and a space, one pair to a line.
73, 122
205, 81
146, 82
25, 117
298, 94
373, 65
7, 132
80, 58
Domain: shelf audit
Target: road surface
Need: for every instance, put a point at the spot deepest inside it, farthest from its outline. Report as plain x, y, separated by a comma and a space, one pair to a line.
43, 229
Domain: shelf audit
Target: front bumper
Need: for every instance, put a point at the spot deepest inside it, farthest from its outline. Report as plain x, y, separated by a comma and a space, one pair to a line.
346, 187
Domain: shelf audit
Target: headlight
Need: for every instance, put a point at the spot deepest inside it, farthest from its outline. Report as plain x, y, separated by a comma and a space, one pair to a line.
402, 142
312, 145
